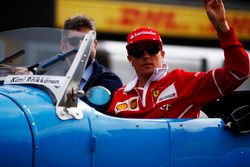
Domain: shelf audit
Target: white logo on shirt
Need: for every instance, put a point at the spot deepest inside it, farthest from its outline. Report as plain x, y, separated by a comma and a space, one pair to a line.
165, 107
167, 94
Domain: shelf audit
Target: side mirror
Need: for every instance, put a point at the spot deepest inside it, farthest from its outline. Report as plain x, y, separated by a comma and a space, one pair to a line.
239, 120
98, 95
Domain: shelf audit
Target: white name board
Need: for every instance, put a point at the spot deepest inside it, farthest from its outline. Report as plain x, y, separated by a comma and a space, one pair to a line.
46, 80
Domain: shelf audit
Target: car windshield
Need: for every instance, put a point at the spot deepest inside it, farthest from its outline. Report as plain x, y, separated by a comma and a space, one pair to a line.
53, 59
45, 48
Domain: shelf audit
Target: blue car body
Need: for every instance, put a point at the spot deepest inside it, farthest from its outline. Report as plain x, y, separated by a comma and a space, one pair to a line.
33, 135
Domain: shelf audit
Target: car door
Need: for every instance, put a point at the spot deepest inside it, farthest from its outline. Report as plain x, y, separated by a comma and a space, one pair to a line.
206, 143
130, 142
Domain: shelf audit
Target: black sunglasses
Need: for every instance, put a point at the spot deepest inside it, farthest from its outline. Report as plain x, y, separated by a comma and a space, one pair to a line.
138, 52
74, 41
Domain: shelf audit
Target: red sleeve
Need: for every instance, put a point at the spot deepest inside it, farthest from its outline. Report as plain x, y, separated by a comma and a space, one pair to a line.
236, 63
211, 85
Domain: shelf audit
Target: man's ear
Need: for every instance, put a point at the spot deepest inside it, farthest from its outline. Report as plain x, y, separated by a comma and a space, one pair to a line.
129, 60
162, 55
95, 43
63, 46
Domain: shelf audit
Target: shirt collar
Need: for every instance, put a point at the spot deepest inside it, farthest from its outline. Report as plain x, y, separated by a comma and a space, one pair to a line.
158, 74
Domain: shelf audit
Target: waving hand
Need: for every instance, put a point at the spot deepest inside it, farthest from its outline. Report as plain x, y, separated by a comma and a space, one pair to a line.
216, 14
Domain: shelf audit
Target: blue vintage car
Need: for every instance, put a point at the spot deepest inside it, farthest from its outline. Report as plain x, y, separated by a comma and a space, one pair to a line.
44, 124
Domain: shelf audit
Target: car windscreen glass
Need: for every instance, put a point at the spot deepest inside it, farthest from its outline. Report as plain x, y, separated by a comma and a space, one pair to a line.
29, 46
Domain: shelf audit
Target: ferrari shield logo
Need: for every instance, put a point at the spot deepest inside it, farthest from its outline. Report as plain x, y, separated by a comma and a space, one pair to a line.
155, 93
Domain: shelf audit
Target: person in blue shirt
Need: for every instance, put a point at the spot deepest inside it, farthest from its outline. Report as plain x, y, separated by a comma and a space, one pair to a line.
95, 73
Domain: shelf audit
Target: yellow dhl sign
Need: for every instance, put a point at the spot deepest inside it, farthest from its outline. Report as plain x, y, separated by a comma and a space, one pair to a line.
170, 20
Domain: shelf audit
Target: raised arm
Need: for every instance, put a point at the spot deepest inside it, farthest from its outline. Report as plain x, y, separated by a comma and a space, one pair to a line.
236, 63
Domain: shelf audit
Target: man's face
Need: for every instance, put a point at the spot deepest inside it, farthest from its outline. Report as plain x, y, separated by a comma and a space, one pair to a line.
74, 39
145, 57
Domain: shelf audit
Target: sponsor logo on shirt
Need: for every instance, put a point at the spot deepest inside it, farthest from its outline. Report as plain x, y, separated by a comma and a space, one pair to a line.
133, 104
167, 94
121, 106
165, 107
155, 93
130, 104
